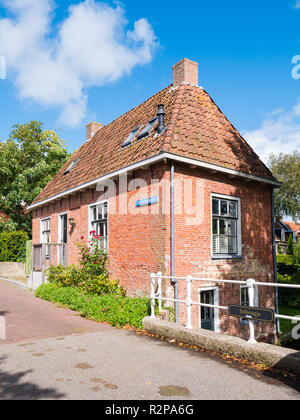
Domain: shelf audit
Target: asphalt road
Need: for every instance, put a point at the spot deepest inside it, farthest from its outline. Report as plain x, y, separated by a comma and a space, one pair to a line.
93, 361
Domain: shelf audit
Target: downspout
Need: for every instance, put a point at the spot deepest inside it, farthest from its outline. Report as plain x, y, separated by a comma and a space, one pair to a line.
275, 261
172, 197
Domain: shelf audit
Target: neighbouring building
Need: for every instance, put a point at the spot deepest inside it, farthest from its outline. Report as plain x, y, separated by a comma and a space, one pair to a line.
172, 187
283, 231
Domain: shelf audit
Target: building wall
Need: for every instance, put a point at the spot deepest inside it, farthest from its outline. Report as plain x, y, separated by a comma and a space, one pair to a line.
139, 239
193, 246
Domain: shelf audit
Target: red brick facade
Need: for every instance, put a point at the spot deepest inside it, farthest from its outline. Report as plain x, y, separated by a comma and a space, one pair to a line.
139, 239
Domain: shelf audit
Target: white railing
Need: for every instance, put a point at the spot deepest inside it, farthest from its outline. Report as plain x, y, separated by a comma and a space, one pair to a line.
157, 294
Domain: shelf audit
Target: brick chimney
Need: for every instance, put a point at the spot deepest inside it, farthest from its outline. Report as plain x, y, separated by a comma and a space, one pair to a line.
185, 71
91, 130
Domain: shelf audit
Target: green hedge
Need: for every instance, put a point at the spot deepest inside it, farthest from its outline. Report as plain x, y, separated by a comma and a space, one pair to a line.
13, 246
116, 310
285, 259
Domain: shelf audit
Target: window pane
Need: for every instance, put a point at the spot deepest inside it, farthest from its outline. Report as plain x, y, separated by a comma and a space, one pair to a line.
224, 208
215, 226
231, 227
222, 225
233, 209
223, 244
216, 207
94, 212
215, 244
231, 245
244, 296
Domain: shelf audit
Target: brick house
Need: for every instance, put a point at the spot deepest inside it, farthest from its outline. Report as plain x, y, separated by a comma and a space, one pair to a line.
172, 187
283, 231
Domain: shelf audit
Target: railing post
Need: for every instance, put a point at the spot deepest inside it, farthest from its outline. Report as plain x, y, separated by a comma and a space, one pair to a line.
159, 281
189, 302
251, 292
152, 295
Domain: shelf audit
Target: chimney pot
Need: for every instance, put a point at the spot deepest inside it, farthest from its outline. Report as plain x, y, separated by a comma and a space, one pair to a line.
185, 71
91, 130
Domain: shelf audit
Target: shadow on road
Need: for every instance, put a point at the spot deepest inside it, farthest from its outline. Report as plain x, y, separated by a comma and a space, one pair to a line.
14, 387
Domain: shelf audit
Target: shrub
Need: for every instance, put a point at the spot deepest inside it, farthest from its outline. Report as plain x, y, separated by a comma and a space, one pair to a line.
280, 250
290, 248
116, 310
91, 277
7, 225
297, 252
287, 269
13, 246
285, 259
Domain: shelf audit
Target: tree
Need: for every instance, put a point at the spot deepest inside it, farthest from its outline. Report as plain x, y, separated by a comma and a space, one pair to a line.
297, 252
286, 168
290, 247
28, 161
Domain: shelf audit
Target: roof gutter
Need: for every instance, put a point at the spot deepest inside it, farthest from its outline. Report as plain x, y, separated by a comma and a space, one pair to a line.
153, 160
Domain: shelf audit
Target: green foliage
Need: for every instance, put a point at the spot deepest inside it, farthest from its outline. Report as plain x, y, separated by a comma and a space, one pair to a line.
285, 259
13, 246
297, 253
116, 310
7, 225
91, 277
286, 168
290, 248
280, 250
28, 161
28, 266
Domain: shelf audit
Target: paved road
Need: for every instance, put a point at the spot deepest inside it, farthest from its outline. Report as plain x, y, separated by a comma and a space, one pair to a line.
100, 362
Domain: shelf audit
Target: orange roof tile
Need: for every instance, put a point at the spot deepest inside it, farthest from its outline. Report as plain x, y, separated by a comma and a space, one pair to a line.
195, 128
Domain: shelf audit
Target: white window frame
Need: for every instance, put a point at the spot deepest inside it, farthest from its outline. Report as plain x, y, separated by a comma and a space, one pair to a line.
238, 227
99, 203
42, 235
59, 233
217, 325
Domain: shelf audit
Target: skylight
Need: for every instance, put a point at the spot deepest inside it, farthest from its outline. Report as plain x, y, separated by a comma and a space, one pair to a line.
145, 132
130, 138
73, 164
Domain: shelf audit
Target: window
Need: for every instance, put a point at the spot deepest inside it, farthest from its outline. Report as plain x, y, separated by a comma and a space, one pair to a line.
99, 222
245, 296
225, 226
130, 138
73, 164
145, 132
46, 234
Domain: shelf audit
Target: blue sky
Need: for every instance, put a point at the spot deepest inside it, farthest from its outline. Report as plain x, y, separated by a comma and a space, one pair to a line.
244, 50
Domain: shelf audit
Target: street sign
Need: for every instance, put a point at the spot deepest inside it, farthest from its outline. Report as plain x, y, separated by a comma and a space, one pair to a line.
255, 314
146, 202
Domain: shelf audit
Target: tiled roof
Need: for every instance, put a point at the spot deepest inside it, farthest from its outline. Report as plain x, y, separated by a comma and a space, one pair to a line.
196, 128
295, 227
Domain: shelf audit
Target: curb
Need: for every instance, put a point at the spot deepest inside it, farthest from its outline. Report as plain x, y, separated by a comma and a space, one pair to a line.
15, 282
267, 354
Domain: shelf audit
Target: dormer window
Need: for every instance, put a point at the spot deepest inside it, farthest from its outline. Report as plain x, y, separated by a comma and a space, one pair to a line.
146, 131
131, 137
73, 164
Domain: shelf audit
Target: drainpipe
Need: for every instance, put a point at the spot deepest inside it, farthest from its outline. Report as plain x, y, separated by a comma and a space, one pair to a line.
275, 261
175, 282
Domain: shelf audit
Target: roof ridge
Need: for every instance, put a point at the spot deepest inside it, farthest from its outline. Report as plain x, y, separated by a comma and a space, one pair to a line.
167, 143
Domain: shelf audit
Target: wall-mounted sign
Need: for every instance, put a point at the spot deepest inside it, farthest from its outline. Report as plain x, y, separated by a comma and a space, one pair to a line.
255, 314
146, 202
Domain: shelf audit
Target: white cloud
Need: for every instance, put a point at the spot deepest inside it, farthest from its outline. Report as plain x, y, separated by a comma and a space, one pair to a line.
297, 5
91, 47
279, 133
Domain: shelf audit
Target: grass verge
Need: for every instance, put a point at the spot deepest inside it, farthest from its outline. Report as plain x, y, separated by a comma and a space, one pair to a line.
118, 311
